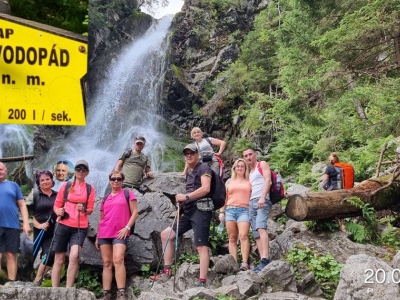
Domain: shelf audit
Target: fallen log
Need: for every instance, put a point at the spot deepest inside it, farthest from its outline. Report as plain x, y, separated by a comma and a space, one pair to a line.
17, 158
380, 193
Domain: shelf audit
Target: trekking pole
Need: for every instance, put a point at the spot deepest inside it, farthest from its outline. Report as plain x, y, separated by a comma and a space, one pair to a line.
79, 245
48, 254
176, 244
165, 247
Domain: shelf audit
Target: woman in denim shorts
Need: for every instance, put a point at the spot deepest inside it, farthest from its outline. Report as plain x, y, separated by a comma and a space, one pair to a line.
236, 211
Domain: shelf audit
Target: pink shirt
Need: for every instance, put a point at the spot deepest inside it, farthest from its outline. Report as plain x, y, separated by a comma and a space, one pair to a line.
238, 193
116, 214
77, 195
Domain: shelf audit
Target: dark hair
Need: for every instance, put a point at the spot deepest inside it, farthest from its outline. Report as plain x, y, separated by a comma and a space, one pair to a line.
113, 172
44, 172
249, 148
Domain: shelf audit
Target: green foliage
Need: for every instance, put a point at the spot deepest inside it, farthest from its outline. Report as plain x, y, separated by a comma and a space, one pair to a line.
324, 267
215, 239
146, 271
25, 189
224, 297
90, 280
282, 219
391, 236
66, 14
322, 225
188, 258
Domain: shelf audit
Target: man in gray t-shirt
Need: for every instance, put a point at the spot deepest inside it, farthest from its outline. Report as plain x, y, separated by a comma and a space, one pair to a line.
134, 164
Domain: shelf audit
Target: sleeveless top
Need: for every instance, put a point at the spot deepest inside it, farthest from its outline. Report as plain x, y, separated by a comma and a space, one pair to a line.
205, 148
257, 183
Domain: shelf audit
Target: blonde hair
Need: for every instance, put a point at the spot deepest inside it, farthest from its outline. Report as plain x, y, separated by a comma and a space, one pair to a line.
195, 129
333, 158
246, 166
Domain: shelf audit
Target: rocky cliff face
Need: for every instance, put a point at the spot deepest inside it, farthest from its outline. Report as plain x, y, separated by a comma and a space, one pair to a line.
205, 40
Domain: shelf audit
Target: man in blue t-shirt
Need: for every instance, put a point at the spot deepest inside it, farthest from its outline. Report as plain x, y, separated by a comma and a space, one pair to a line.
10, 200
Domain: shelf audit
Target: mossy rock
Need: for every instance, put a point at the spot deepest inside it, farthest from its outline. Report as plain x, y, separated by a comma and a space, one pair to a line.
3, 277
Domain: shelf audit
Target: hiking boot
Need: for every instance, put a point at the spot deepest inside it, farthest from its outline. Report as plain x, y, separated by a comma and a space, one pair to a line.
201, 284
106, 296
262, 265
167, 273
36, 284
244, 266
121, 295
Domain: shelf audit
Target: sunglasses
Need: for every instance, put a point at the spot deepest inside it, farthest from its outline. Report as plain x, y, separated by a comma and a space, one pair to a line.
189, 153
64, 162
81, 169
119, 179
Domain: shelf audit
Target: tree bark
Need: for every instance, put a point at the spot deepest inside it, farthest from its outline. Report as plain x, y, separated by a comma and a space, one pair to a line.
333, 204
17, 158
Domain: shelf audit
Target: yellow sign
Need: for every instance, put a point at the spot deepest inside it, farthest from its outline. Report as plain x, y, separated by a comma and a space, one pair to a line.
42, 74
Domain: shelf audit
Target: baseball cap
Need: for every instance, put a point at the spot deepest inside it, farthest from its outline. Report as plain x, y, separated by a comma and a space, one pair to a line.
140, 139
82, 162
191, 147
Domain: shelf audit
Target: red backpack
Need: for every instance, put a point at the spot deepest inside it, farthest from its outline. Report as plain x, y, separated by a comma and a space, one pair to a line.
277, 191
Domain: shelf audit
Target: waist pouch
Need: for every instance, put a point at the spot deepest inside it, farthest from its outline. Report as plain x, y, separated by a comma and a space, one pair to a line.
205, 204
207, 157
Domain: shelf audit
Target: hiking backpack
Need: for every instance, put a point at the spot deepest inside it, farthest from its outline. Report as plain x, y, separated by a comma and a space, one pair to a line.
276, 191
217, 189
345, 175
126, 193
88, 191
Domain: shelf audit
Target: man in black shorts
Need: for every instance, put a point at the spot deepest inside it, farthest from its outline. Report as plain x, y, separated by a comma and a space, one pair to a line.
196, 214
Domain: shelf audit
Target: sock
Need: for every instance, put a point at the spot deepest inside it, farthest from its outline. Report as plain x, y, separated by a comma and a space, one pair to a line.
121, 290
9, 280
203, 280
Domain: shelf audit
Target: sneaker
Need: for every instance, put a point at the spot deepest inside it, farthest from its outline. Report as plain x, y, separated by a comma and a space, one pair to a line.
261, 266
166, 273
121, 295
201, 284
244, 266
36, 284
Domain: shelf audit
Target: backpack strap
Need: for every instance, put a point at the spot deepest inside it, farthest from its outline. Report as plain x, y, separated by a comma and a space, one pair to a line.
126, 191
66, 192
88, 192
209, 141
259, 168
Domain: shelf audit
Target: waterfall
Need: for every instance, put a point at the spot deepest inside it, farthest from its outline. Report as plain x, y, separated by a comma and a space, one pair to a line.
126, 105
16, 140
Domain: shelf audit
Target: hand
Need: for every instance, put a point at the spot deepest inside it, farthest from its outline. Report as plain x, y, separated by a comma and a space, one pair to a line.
96, 244
27, 229
150, 174
261, 203
221, 217
123, 233
80, 207
182, 174
44, 226
59, 212
180, 198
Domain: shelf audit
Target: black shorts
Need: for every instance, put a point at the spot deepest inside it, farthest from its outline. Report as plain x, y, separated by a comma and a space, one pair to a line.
66, 236
9, 240
111, 241
197, 220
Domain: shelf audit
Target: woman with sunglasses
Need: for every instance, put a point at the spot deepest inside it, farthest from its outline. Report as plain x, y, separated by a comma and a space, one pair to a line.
44, 220
73, 223
116, 219
236, 211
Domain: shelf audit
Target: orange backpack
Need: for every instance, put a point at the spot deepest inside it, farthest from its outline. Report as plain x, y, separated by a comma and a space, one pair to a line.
346, 174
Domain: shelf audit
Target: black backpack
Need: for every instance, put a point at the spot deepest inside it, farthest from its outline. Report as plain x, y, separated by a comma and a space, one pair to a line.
217, 190
126, 192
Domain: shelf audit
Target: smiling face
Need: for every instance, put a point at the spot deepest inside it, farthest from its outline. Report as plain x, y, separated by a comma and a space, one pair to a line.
81, 171
45, 182
197, 134
191, 157
240, 169
3, 172
61, 172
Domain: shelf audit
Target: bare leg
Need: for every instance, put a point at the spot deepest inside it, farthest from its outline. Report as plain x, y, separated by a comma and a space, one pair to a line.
118, 260
204, 260
73, 265
169, 250
106, 255
59, 259
263, 242
232, 230
11, 265
40, 272
244, 240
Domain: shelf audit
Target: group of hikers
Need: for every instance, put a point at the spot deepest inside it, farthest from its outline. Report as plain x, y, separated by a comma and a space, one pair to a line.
62, 217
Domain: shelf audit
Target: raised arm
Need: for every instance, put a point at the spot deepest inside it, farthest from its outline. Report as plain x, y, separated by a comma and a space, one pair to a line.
220, 143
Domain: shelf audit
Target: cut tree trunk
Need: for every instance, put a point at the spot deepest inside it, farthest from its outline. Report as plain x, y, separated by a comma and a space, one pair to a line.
333, 204
16, 158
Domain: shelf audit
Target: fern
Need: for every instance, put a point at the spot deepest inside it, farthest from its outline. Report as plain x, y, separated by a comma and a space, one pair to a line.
356, 201
359, 231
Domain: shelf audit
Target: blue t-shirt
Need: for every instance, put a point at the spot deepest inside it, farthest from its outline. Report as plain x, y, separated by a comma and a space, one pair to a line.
9, 194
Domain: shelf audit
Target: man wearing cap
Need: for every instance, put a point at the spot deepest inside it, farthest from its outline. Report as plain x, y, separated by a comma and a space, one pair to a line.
11, 199
197, 214
134, 164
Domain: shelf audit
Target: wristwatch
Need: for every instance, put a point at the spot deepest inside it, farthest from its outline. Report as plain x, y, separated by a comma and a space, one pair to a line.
187, 197
127, 227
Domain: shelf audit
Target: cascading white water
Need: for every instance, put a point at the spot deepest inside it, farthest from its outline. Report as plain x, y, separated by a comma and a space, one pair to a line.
125, 106
16, 140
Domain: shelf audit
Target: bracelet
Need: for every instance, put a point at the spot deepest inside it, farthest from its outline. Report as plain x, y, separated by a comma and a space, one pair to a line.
127, 227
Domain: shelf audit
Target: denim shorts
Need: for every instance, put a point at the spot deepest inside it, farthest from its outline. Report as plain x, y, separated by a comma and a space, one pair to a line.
237, 214
258, 216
